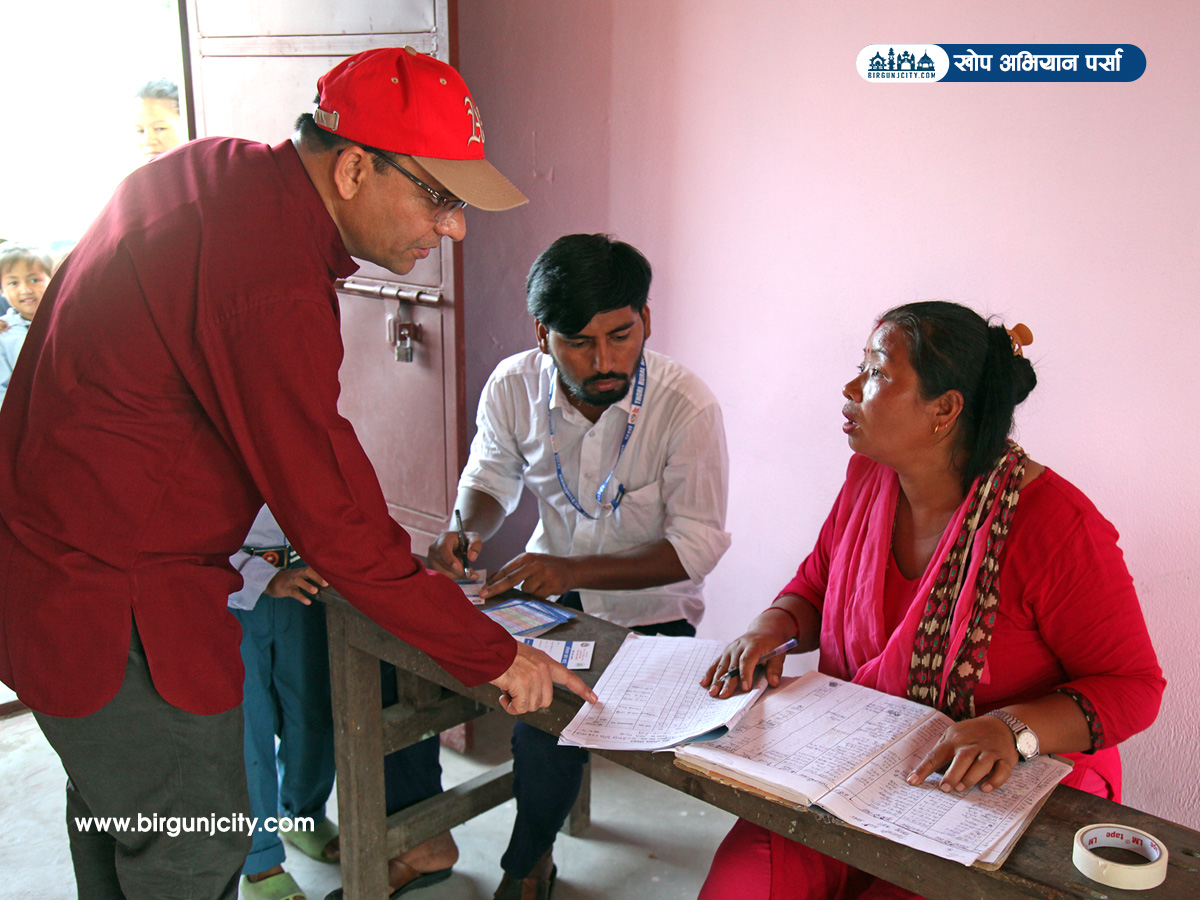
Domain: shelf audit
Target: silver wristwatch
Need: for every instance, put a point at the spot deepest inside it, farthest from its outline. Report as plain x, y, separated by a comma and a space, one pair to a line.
1027, 741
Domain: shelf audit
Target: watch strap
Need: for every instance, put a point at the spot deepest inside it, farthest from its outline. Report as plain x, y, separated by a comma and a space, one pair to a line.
1018, 728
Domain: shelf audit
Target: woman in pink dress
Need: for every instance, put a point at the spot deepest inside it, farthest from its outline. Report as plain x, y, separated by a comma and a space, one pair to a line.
957, 572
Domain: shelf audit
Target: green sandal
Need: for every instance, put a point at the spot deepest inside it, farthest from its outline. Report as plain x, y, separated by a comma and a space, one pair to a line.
277, 887
311, 843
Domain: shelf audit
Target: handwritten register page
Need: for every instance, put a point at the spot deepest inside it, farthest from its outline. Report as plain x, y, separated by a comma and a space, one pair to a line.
651, 699
966, 827
849, 749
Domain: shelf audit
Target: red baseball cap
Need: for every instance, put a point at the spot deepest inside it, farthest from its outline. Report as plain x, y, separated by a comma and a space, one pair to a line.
400, 100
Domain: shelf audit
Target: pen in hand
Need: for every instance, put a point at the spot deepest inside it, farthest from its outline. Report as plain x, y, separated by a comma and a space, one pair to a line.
785, 647
462, 544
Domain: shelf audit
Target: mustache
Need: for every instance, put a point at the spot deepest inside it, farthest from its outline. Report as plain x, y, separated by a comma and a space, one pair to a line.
606, 376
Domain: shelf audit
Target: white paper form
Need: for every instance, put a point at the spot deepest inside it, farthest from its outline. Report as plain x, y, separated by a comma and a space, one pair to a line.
651, 699
472, 587
572, 654
963, 827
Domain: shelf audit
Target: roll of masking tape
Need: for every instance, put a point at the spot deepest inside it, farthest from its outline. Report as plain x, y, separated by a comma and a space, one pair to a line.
1135, 877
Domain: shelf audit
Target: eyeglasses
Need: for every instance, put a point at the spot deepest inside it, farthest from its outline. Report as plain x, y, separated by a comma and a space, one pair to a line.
446, 206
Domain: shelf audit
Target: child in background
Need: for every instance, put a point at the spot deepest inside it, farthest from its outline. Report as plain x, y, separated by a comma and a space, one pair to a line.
4, 307
286, 694
24, 273
157, 122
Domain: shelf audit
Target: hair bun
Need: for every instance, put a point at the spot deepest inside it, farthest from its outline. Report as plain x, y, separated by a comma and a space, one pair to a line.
1023, 378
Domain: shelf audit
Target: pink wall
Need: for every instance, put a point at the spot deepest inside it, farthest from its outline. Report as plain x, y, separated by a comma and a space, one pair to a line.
784, 202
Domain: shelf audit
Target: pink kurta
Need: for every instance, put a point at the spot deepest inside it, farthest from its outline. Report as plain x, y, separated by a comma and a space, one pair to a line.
1068, 618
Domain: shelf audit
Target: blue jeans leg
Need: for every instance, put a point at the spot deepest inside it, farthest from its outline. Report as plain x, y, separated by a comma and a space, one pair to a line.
301, 679
261, 716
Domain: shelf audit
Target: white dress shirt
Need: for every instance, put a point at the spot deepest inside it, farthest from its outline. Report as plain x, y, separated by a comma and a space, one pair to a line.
256, 571
675, 470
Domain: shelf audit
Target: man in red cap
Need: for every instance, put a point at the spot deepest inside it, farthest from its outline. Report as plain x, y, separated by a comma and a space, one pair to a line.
182, 371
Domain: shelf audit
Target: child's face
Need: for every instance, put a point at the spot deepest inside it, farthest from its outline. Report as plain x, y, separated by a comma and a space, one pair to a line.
158, 127
23, 285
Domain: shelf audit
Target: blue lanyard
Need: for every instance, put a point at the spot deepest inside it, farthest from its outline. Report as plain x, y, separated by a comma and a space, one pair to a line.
639, 392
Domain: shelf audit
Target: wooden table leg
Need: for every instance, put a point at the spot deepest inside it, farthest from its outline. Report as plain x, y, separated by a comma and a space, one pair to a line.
358, 743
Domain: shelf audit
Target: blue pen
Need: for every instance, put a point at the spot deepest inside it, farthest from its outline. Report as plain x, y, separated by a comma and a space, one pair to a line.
785, 647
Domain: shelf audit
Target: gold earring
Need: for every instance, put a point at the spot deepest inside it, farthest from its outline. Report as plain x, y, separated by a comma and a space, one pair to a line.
937, 428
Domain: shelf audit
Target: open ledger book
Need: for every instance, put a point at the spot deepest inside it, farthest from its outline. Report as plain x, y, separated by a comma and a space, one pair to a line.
848, 748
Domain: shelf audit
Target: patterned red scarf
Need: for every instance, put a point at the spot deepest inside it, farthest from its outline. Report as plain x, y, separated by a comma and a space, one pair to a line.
1002, 486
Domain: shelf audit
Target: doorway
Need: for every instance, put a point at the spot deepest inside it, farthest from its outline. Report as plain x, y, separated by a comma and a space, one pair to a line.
67, 130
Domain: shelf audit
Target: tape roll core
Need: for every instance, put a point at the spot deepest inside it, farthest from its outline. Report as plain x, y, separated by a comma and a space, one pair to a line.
1139, 877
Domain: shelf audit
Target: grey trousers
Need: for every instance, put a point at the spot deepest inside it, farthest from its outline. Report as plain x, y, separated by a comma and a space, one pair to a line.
168, 778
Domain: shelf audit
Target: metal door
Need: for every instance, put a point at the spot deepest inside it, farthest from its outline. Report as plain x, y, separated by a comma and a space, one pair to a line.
254, 66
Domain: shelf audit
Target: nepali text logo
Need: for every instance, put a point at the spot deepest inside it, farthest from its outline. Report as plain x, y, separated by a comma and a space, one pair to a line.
929, 63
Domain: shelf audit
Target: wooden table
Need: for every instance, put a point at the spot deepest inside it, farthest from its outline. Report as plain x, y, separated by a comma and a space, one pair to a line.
1040, 865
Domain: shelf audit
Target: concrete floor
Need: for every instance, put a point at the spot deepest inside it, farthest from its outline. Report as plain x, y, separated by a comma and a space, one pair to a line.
646, 840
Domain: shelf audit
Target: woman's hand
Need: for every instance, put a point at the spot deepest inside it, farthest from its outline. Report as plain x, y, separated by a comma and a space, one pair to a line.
788, 617
979, 751
744, 653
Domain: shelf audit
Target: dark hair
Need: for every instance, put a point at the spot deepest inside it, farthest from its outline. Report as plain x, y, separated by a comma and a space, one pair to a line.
580, 275
318, 140
12, 253
953, 348
162, 89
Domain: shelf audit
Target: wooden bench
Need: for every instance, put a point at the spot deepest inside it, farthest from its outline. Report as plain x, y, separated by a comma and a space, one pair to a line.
1039, 867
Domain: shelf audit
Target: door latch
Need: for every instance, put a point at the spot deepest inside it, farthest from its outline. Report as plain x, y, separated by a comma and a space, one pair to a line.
403, 336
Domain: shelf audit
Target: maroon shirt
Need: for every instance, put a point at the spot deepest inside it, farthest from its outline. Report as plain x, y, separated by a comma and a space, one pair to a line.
182, 370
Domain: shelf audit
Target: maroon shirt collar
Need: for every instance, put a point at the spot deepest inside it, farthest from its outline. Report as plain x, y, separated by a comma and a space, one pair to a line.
313, 212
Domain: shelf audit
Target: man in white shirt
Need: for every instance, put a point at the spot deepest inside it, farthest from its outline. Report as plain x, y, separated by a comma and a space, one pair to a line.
625, 451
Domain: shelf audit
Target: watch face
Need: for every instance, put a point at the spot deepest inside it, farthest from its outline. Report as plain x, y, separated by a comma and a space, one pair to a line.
1027, 744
